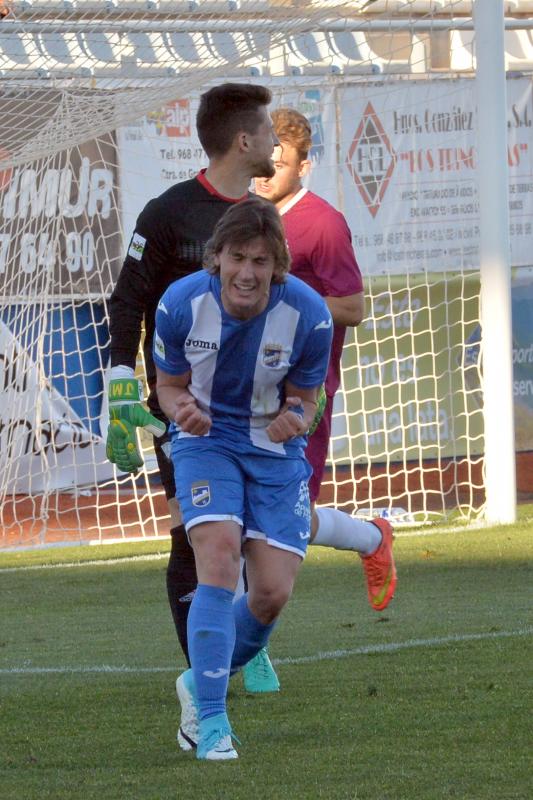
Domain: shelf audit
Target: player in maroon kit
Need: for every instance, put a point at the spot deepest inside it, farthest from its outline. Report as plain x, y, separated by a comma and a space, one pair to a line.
322, 255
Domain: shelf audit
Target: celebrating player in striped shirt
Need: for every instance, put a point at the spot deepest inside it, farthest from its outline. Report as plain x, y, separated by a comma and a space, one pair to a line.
241, 351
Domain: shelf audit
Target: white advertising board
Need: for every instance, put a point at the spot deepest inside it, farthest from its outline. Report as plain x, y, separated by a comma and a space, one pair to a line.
399, 158
409, 168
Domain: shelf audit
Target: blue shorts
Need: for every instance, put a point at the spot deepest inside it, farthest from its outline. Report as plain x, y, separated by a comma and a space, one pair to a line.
266, 494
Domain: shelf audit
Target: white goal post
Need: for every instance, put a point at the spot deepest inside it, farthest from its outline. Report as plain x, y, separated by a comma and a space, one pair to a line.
97, 107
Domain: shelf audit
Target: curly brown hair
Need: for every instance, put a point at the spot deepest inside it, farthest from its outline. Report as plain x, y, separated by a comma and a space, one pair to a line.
243, 222
293, 128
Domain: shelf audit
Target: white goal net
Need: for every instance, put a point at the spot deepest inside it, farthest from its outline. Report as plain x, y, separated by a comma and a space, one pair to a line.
97, 109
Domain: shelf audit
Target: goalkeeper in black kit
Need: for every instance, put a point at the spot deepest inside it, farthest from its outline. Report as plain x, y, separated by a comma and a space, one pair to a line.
235, 130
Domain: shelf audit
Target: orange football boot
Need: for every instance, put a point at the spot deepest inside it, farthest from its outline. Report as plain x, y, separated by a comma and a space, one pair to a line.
380, 571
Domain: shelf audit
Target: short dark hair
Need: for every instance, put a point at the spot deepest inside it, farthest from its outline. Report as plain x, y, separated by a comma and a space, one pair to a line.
293, 128
226, 110
243, 222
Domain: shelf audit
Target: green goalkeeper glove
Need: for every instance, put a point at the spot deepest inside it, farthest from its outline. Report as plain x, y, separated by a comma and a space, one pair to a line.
126, 414
321, 401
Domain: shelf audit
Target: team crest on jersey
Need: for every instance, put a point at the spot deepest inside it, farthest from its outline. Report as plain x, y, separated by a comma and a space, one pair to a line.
200, 494
272, 355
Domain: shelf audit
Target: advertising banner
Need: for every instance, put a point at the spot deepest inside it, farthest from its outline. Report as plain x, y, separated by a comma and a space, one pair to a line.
409, 171
60, 247
155, 152
428, 331
404, 381
523, 363
59, 223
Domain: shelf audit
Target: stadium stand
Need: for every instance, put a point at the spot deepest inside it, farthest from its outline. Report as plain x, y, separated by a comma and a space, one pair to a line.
138, 53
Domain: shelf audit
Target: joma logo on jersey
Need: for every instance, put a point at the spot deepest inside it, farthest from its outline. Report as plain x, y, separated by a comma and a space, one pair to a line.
200, 494
199, 344
272, 355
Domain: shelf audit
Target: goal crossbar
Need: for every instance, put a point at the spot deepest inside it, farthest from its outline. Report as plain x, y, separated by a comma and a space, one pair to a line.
182, 25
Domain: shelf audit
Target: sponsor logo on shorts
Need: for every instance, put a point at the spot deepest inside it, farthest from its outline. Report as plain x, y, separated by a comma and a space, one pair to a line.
137, 245
200, 494
303, 504
272, 355
305, 535
324, 325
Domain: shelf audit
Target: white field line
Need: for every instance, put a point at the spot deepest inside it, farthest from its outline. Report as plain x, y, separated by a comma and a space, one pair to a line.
104, 562
158, 556
332, 655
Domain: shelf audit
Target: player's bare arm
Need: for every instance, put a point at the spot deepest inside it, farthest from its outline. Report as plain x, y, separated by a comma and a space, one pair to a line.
179, 405
348, 311
289, 423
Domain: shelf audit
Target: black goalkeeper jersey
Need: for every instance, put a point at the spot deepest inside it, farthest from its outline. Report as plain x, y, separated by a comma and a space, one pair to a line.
168, 243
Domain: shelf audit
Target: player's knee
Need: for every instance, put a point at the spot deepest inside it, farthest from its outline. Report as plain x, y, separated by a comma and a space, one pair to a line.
218, 559
268, 602
220, 570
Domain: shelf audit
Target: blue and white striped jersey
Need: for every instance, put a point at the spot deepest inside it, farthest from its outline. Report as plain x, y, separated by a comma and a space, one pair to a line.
238, 367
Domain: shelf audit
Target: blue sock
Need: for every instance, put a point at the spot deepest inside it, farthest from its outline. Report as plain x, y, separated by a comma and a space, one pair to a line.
250, 634
211, 635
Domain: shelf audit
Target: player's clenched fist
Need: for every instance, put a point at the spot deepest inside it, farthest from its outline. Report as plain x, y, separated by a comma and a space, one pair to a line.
190, 418
289, 423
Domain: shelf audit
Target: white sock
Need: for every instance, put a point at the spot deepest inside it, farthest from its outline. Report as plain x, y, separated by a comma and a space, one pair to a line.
343, 532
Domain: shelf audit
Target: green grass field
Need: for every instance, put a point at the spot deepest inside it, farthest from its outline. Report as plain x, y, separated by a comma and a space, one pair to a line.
427, 700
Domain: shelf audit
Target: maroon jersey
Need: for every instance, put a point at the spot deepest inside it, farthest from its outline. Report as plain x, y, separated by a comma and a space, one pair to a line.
320, 244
